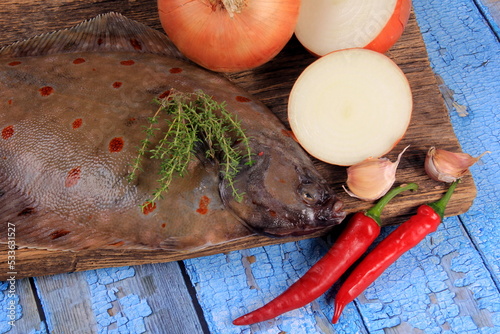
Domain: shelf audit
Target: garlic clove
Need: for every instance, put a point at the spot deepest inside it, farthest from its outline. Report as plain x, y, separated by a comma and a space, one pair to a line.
446, 166
371, 178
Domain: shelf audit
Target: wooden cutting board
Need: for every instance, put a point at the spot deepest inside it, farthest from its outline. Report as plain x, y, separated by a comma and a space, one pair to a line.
271, 83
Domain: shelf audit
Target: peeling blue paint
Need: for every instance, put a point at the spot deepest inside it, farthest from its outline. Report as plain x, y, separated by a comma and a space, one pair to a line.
42, 330
11, 309
127, 317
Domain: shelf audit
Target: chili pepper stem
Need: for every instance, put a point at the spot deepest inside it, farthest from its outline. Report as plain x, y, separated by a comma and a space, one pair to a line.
375, 211
440, 205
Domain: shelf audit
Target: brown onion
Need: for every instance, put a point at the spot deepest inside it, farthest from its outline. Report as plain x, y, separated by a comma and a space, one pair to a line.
229, 35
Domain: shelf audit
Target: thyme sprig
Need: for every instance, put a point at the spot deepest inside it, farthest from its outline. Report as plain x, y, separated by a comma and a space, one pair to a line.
190, 119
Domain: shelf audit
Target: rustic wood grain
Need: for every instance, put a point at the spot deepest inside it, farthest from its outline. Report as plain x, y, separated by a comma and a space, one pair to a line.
68, 299
167, 294
271, 83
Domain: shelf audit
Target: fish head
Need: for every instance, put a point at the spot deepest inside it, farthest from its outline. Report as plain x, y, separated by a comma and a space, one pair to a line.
282, 196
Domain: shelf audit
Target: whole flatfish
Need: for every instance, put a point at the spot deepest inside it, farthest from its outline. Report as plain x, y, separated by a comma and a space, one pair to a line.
73, 105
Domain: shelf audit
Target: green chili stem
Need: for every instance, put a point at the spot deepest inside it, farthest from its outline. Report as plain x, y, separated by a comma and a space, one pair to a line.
440, 205
375, 211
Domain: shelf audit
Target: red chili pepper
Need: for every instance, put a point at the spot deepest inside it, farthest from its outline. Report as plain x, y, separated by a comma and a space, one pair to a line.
402, 239
358, 235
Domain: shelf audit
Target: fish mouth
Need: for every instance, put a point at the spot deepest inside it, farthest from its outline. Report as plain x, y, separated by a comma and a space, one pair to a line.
329, 215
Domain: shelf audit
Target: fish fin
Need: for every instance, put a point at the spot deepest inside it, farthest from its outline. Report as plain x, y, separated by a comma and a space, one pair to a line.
30, 225
104, 33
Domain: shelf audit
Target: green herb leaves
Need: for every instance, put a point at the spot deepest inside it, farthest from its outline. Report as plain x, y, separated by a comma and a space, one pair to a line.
192, 118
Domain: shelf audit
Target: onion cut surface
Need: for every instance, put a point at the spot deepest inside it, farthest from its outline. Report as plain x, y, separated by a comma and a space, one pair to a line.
350, 105
324, 26
223, 40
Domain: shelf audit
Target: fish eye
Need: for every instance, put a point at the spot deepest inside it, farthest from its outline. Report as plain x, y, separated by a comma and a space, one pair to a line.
307, 196
311, 194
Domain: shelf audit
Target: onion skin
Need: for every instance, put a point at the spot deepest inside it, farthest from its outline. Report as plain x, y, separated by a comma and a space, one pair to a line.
210, 36
393, 29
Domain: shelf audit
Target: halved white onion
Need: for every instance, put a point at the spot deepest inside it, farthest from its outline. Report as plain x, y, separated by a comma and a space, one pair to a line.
350, 105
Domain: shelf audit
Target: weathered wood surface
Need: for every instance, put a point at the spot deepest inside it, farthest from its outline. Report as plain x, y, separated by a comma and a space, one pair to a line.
271, 83
448, 284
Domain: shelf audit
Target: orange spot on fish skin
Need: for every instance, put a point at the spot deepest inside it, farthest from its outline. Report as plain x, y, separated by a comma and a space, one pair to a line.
164, 95
73, 177
8, 132
59, 233
117, 84
116, 144
46, 91
127, 62
135, 44
117, 244
77, 123
130, 121
175, 70
203, 205
78, 61
14, 63
148, 207
163, 225
261, 154
10, 102
242, 99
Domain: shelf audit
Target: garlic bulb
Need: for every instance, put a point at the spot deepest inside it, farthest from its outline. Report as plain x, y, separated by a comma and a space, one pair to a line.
446, 166
372, 178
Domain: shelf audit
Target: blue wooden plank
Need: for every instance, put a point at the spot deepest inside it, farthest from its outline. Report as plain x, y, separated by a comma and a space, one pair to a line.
133, 300
90, 302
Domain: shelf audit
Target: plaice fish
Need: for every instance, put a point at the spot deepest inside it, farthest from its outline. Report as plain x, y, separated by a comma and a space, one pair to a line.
73, 105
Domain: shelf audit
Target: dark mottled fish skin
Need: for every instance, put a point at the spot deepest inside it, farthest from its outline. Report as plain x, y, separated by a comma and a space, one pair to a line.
72, 108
